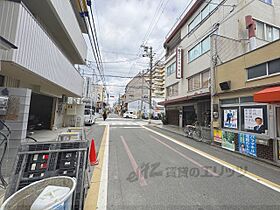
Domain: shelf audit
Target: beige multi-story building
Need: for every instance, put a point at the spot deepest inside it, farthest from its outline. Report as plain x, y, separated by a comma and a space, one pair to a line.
137, 88
100, 93
192, 51
247, 103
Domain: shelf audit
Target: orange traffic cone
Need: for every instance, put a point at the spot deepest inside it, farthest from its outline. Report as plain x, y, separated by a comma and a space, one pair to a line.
92, 154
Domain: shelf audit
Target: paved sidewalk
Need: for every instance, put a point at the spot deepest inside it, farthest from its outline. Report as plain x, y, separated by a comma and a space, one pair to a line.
172, 128
179, 131
47, 135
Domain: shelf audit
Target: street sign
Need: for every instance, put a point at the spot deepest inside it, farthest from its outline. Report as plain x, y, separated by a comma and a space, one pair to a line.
179, 63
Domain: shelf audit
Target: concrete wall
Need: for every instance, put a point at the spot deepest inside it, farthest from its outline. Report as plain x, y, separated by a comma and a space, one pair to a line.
134, 89
16, 119
59, 114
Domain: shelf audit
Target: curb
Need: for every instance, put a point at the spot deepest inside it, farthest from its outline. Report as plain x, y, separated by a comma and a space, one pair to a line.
221, 149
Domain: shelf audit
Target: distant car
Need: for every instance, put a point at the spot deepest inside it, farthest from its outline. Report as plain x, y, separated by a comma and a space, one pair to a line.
129, 114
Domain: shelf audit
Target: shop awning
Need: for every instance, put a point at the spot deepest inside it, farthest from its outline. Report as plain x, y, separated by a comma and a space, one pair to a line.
185, 99
268, 95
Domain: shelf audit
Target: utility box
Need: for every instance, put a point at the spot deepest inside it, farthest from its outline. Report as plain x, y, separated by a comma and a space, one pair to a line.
71, 109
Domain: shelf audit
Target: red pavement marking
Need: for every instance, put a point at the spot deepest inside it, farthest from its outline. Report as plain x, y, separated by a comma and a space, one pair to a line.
186, 157
135, 167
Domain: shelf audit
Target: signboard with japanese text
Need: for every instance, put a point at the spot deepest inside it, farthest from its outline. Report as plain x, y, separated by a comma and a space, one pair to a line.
218, 134
179, 63
230, 118
247, 144
228, 140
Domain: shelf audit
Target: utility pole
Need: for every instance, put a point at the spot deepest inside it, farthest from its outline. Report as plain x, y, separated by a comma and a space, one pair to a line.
142, 92
150, 93
149, 53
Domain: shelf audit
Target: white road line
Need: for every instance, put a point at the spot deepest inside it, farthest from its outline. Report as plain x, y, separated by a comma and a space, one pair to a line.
186, 157
127, 128
235, 168
134, 165
102, 197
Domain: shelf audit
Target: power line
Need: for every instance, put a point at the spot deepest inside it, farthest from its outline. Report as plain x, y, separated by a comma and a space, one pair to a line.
157, 20
110, 75
118, 61
151, 23
113, 85
146, 34
95, 32
118, 52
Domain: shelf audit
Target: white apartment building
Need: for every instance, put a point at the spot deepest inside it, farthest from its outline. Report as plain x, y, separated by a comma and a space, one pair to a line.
213, 30
39, 75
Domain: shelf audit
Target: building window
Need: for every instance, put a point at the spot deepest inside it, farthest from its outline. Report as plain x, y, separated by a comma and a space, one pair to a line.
171, 69
205, 79
198, 50
276, 33
198, 81
257, 71
230, 101
204, 13
265, 69
267, 1
260, 30
172, 90
195, 22
194, 82
205, 45
267, 32
274, 67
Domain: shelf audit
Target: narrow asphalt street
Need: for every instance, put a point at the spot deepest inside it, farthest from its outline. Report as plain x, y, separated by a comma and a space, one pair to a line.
148, 168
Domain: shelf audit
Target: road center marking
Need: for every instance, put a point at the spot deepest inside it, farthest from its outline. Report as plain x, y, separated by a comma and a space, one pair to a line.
135, 167
235, 168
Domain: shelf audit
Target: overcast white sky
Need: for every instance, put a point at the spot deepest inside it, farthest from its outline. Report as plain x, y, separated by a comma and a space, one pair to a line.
122, 26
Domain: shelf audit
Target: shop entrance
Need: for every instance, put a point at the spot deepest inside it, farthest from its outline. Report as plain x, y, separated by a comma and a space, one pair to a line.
40, 112
189, 115
173, 117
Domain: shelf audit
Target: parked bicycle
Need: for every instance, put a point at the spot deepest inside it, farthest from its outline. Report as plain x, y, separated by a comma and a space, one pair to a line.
194, 131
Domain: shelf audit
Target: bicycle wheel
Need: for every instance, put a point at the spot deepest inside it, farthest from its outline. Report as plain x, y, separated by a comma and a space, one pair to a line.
197, 135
